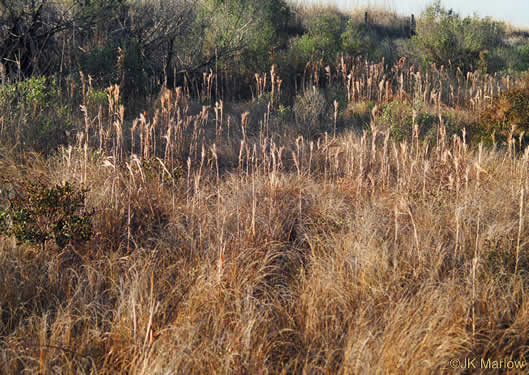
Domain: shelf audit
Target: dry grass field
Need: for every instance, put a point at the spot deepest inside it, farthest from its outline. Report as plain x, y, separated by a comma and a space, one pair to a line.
225, 244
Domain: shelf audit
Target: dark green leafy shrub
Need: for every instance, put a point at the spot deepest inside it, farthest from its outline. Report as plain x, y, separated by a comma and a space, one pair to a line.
131, 70
41, 214
304, 48
96, 98
30, 93
398, 117
100, 64
510, 58
522, 63
124, 65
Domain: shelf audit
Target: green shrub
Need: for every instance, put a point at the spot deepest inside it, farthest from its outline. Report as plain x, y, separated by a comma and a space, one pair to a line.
122, 64
96, 98
522, 63
398, 117
508, 58
30, 93
240, 33
356, 40
41, 214
444, 37
34, 114
100, 64
322, 39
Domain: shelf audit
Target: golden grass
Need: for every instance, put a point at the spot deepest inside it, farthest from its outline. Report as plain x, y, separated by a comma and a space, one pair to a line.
226, 244
362, 256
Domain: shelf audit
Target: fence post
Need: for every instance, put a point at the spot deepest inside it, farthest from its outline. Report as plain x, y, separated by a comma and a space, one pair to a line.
413, 26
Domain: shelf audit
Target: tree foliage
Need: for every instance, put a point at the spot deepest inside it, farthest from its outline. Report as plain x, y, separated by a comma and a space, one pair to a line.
322, 41
241, 31
443, 37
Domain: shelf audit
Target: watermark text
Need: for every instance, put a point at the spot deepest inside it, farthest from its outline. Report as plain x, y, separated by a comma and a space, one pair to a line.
487, 363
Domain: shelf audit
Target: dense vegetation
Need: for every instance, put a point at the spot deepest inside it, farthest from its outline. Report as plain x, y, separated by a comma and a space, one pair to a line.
257, 187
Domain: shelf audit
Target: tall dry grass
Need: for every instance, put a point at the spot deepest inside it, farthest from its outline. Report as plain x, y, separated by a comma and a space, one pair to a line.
348, 255
225, 246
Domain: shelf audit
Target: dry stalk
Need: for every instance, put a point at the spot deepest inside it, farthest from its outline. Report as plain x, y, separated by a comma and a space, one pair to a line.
520, 227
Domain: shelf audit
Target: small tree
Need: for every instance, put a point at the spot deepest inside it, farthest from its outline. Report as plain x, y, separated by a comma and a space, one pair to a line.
240, 31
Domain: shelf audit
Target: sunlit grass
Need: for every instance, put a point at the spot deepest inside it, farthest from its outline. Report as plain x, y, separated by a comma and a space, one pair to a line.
230, 239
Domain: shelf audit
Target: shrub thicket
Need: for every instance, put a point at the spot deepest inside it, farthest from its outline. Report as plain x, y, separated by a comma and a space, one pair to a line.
34, 114
443, 37
322, 38
142, 45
